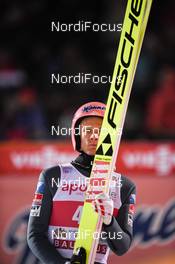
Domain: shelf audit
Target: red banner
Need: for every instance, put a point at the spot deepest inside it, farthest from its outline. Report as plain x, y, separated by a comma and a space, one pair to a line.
151, 166
141, 158
154, 235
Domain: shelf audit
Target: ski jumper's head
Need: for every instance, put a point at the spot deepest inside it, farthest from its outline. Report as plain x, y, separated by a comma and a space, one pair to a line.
86, 126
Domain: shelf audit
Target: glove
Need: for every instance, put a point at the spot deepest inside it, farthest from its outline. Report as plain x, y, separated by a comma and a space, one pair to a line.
104, 206
115, 189
79, 257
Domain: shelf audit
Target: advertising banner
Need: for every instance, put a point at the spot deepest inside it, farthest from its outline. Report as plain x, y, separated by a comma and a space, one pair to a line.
150, 166
134, 158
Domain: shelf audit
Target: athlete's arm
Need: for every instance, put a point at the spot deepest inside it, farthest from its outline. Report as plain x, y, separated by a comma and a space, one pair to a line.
39, 219
121, 227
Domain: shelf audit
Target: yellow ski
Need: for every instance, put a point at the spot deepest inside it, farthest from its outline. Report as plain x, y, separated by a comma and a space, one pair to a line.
134, 26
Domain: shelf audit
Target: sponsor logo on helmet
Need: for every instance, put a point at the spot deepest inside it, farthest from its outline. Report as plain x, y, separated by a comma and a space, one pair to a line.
93, 107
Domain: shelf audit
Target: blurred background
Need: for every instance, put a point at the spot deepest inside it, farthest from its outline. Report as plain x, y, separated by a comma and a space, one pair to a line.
30, 104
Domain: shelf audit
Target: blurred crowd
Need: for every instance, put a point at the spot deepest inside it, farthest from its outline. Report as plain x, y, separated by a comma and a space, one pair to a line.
29, 53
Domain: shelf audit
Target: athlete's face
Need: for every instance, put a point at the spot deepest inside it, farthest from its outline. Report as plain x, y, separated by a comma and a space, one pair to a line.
90, 129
